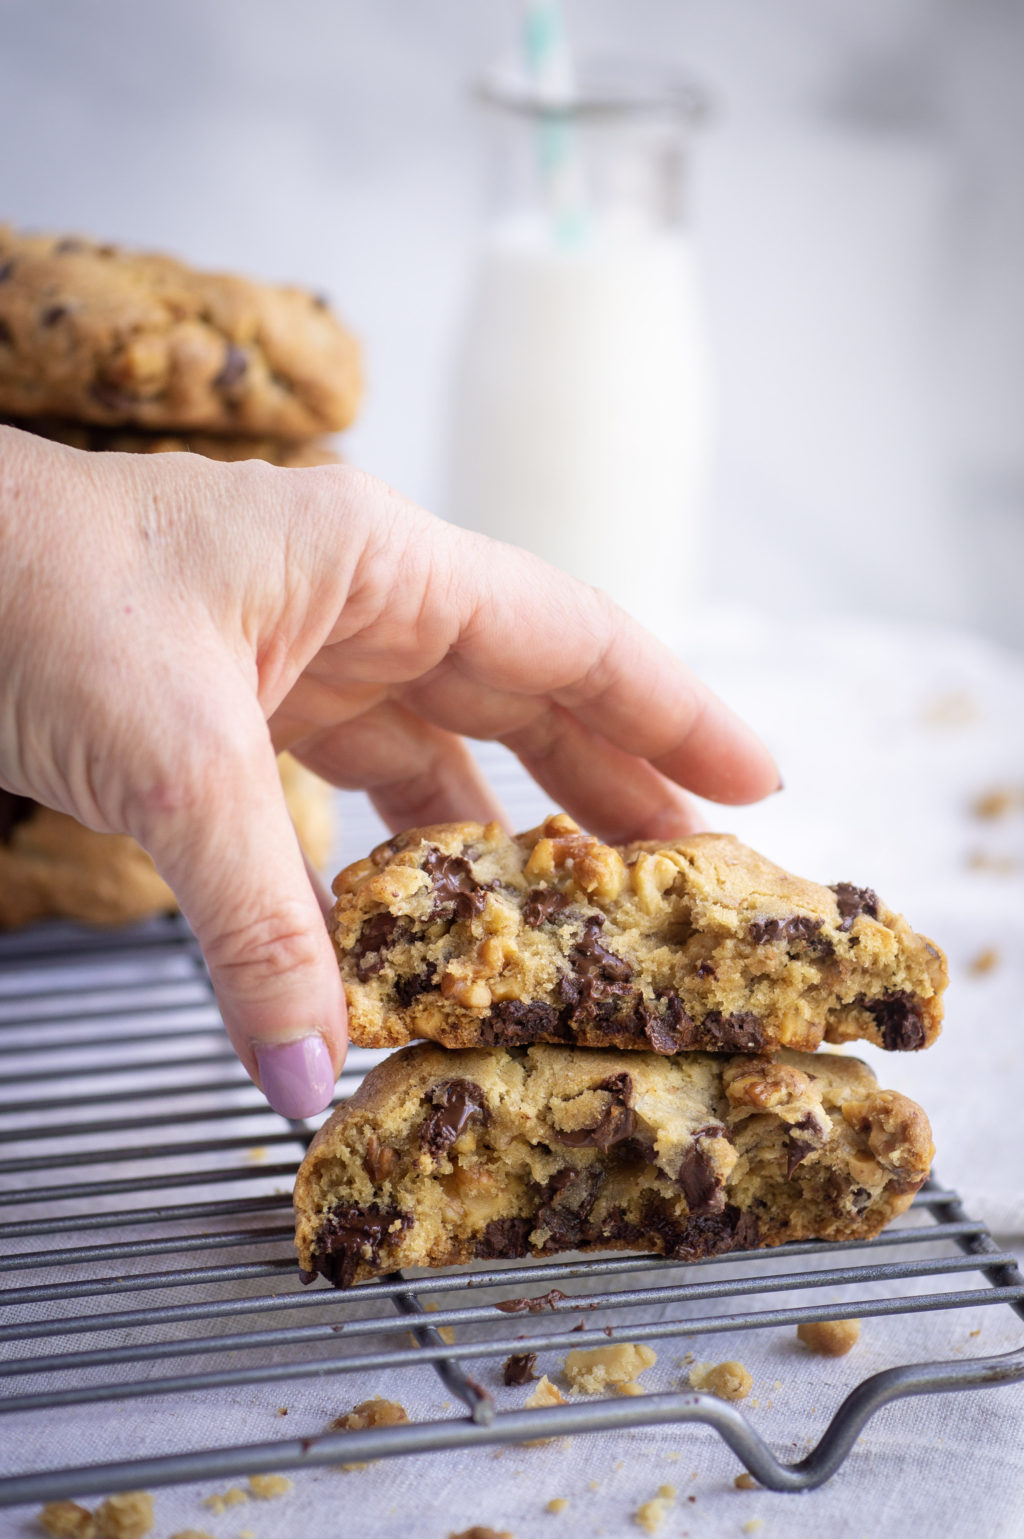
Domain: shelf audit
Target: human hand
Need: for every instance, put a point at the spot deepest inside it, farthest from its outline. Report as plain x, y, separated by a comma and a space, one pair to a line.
170, 622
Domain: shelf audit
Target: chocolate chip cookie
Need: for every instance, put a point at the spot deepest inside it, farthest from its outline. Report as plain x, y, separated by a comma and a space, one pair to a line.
121, 338
274, 451
446, 1157
52, 867
465, 936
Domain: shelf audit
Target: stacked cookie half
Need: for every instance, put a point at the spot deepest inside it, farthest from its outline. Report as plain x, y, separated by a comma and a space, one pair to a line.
618, 1051
105, 349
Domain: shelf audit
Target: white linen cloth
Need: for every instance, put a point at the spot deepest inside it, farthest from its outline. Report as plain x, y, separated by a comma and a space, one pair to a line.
886, 738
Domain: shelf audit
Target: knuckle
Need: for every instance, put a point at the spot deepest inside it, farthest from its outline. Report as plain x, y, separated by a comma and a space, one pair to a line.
265, 952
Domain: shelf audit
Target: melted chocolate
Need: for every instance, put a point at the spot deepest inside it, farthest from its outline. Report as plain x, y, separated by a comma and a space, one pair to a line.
513, 1021
897, 1015
519, 1368
352, 1236
617, 1121
541, 905
504, 1238
534, 1306
379, 932
852, 901
409, 988
798, 930
737, 1033
457, 893
701, 1187
453, 1106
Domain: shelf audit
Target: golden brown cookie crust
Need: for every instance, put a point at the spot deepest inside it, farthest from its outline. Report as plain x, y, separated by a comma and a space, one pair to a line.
444, 1157
98, 334
99, 440
465, 936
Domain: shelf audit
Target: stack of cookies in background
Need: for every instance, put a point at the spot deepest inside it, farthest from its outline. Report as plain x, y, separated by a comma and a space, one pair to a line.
105, 349
620, 1051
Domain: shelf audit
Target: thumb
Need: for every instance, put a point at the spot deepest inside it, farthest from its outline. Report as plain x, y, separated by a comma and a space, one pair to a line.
238, 874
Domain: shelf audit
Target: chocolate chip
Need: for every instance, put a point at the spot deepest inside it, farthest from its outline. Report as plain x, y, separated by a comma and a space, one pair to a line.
852, 901
53, 314
616, 1122
351, 1237
514, 1021
737, 1033
567, 1202
519, 1368
6, 269
798, 928
898, 1017
701, 1186
504, 1239
109, 396
379, 1160
68, 245
376, 936
13, 810
802, 1139
454, 1105
705, 970
233, 368
594, 960
457, 893
6, 335
541, 904
534, 1306
411, 987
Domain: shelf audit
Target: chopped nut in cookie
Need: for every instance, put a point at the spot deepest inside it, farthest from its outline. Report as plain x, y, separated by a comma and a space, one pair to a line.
729, 1381
127, 1516
830, 1338
593, 1369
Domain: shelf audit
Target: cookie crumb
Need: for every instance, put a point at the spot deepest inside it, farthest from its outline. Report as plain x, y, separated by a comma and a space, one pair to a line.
480, 1532
546, 1393
752, 1525
193, 1533
593, 1485
996, 803
985, 962
220, 1501
257, 1155
729, 1381
631, 1387
128, 1515
829, 1338
377, 1412
651, 1515
557, 1504
266, 1488
745, 1482
593, 1369
282, 1410
67, 1520
667, 1493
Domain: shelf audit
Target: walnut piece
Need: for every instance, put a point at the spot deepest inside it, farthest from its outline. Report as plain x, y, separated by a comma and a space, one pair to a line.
729, 1381
596, 1368
829, 1338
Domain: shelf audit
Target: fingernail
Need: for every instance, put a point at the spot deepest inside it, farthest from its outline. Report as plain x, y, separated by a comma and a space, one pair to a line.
297, 1078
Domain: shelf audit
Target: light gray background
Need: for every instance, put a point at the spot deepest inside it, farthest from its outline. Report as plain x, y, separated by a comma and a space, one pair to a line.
857, 202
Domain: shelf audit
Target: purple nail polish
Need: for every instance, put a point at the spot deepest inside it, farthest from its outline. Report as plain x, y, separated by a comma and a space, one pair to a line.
297, 1077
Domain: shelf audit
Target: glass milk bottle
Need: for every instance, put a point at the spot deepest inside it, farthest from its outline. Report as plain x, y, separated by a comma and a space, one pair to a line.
580, 404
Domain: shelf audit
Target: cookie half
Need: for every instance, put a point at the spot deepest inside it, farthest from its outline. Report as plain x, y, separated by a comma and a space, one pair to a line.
446, 1157
98, 334
465, 936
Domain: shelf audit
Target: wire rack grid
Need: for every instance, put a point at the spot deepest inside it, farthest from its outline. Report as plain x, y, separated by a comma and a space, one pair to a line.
131, 1097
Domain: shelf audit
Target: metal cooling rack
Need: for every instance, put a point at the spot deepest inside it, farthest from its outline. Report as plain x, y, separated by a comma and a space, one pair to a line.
143, 1089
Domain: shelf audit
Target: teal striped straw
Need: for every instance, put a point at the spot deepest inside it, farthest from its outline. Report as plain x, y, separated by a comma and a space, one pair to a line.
549, 64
